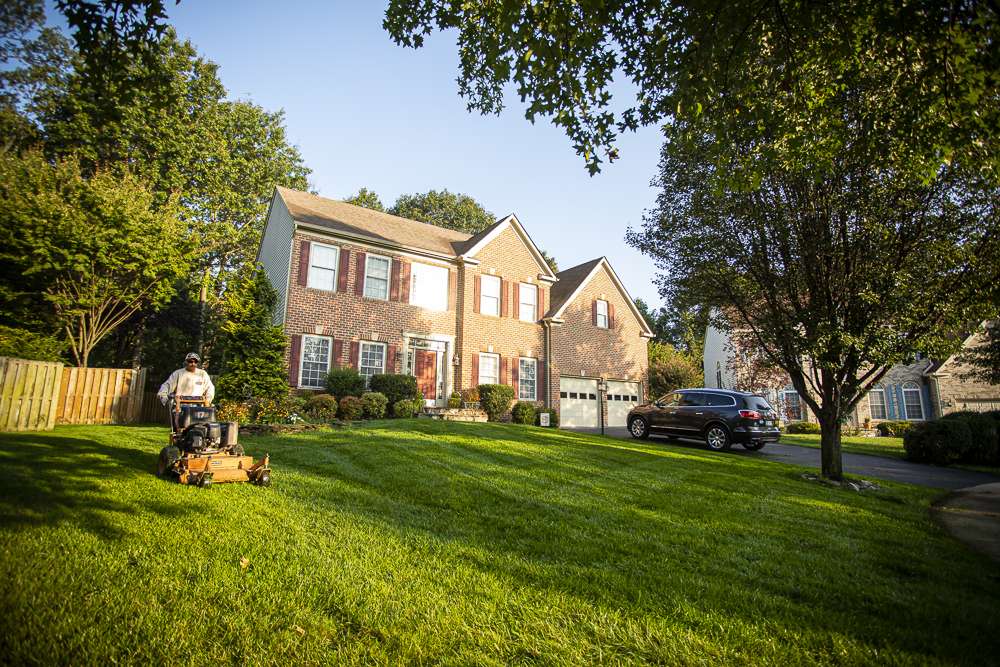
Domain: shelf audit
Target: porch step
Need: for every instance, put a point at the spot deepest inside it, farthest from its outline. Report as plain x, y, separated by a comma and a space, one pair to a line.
454, 414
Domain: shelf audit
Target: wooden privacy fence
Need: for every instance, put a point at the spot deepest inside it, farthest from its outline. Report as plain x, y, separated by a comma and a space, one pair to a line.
36, 395
100, 396
29, 392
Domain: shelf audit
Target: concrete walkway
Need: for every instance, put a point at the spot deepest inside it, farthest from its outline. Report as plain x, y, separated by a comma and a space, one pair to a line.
973, 516
878, 467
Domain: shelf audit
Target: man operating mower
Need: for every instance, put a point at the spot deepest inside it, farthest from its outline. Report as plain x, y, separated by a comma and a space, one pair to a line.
188, 381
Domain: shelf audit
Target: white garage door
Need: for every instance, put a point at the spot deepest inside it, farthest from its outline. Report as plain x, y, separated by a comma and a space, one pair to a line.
578, 402
622, 397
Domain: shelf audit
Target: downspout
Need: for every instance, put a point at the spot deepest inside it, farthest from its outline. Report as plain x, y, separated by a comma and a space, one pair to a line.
548, 363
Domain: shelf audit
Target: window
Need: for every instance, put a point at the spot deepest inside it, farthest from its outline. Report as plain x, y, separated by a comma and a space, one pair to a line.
323, 266
372, 361
670, 400
911, 401
489, 369
692, 399
876, 403
489, 295
602, 314
793, 406
719, 400
528, 297
429, 286
527, 379
377, 277
315, 361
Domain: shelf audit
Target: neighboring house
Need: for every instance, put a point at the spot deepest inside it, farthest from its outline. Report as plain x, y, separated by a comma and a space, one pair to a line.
385, 294
918, 391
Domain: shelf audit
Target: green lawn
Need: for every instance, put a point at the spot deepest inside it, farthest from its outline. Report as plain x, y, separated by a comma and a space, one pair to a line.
880, 446
420, 542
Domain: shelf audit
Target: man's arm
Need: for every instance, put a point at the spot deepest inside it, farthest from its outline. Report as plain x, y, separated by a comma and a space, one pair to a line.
209, 388
168, 387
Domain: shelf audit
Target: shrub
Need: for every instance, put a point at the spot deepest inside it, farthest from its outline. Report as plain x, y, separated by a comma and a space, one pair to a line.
395, 388
985, 445
275, 410
523, 413
553, 417
802, 427
351, 408
470, 395
942, 442
345, 382
893, 429
455, 400
407, 408
495, 400
373, 404
24, 344
233, 411
322, 407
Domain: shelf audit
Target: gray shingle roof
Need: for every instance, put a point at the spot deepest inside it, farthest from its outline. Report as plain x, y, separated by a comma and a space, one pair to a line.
569, 280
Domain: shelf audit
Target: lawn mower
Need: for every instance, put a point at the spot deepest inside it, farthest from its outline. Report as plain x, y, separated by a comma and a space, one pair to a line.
203, 451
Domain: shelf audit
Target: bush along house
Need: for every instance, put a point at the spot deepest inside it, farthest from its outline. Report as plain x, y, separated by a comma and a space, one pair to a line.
384, 294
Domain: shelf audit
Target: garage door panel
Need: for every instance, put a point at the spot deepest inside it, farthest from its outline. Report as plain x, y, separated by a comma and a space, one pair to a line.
578, 404
622, 397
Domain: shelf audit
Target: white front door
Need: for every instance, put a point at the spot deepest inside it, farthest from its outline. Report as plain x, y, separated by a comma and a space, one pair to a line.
578, 404
622, 397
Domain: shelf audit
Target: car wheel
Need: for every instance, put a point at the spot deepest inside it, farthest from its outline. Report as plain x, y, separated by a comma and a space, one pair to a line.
638, 428
717, 438
753, 446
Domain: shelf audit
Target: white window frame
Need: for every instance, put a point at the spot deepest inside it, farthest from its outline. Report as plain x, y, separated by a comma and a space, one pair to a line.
606, 324
361, 357
302, 360
388, 277
483, 280
312, 279
441, 303
527, 314
785, 393
872, 404
914, 388
520, 378
495, 358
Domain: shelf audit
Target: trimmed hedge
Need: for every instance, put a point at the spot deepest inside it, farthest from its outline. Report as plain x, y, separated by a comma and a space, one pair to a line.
407, 408
495, 400
523, 413
553, 417
942, 442
395, 387
322, 406
893, 429
373, 404
345, 382
351, 408
802, 427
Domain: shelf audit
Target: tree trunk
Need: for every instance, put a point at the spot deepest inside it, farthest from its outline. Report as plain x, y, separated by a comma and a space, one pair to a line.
832, 466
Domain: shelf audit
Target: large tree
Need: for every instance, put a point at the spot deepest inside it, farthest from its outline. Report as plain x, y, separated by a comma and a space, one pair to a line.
829, 173
96, 249
444, 209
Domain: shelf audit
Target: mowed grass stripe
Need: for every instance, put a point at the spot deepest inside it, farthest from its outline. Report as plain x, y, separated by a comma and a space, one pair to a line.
423, 542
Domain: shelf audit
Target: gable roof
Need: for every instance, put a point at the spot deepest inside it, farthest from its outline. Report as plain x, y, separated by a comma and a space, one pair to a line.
573, 279
344, 218
475, 243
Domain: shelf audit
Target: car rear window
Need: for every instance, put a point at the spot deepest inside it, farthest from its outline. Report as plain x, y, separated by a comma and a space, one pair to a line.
693, 399
719, 400
758, 403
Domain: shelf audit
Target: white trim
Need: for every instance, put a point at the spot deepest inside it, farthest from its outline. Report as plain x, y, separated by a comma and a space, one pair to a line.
534, 303
913, 387
885, 407
479, 377
447, 286
532, 248
361, 355
388, 277
482, 294
646, 331
607, 314
518, 388
336, 265
368, 242
302, 356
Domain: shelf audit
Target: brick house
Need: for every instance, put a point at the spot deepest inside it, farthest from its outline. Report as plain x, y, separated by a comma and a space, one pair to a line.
918, 391
385, 294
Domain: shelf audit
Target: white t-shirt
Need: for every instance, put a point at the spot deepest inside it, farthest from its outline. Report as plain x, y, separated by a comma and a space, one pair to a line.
185, 383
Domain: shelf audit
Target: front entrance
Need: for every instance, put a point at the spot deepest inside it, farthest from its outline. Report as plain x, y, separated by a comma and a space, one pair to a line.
425, 364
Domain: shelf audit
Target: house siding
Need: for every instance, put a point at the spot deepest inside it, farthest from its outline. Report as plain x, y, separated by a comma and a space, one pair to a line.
274, 255
958, 389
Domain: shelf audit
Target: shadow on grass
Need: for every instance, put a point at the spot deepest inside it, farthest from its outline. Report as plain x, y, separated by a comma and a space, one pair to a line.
51, 479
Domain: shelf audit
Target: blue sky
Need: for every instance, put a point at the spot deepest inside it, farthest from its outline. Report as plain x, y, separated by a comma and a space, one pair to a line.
365, 112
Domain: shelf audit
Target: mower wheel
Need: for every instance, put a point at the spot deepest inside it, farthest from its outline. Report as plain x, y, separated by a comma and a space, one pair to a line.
237, 450
263, 479
205, 481
169, 455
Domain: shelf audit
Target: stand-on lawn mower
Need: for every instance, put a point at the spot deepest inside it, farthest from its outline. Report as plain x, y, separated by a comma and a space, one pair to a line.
203, 451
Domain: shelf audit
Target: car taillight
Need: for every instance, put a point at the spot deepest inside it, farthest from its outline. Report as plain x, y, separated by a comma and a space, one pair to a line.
750, 414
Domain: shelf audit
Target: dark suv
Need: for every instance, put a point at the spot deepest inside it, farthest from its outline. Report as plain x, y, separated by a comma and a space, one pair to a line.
718, 416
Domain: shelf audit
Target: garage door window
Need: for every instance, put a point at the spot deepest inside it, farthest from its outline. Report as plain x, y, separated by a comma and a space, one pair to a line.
527, 380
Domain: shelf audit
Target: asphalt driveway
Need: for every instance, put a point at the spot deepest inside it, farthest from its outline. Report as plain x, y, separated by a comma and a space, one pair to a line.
894, 470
